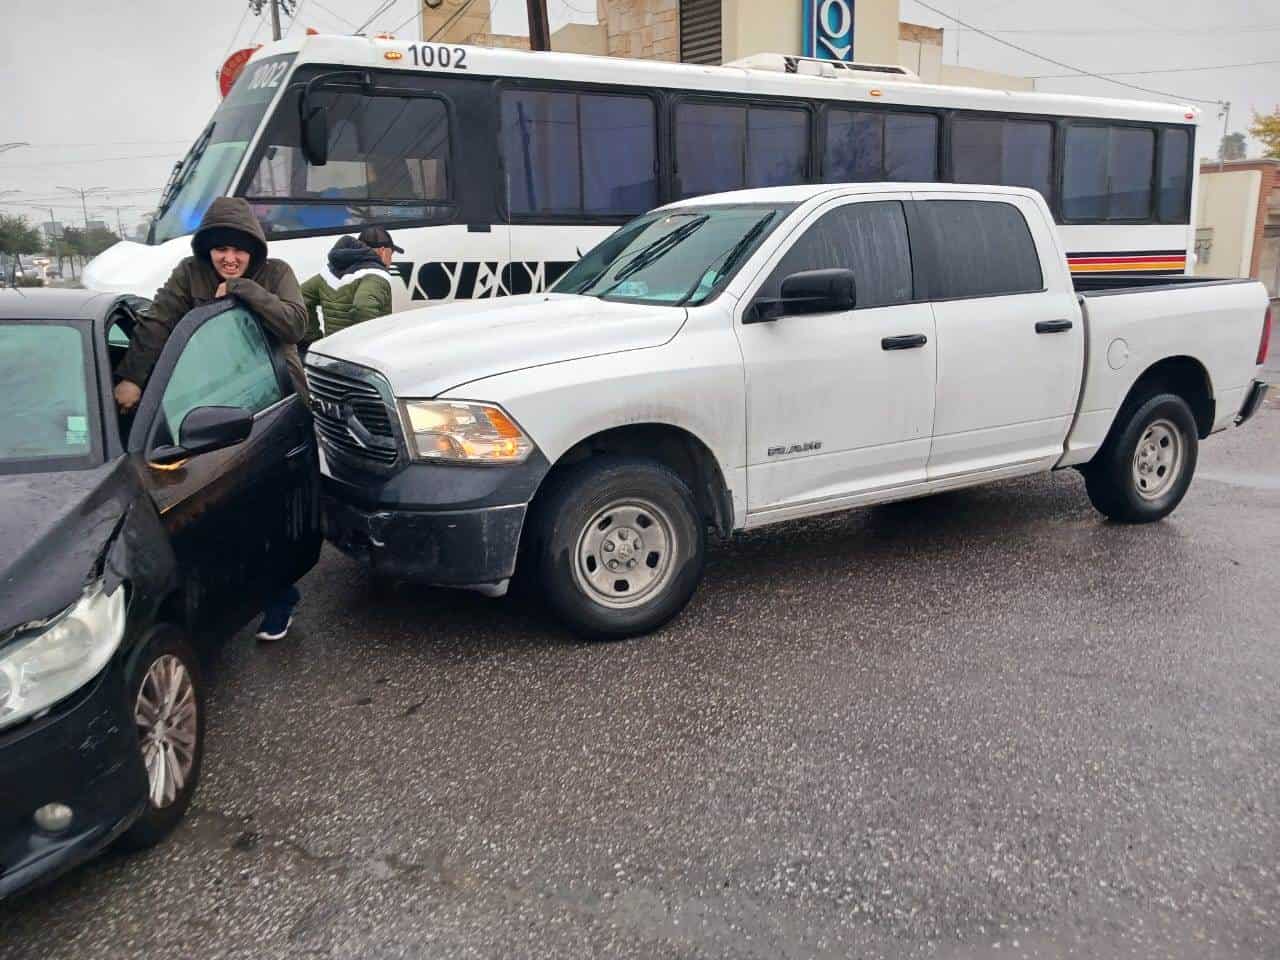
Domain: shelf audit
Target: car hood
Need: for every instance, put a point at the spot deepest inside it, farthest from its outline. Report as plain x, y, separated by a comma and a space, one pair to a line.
426, 352
54, 527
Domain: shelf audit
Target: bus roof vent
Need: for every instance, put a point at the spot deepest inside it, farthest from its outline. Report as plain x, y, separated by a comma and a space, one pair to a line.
813, 67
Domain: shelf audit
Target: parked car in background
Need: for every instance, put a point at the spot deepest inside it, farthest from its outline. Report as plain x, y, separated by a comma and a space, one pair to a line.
743, 359
125, 542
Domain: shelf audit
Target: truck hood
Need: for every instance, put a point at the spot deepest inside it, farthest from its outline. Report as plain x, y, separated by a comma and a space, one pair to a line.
426, 352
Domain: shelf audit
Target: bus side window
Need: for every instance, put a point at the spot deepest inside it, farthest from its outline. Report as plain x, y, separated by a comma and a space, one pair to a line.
1109, 172
1014, 153
876, 145
724, 146
583, 155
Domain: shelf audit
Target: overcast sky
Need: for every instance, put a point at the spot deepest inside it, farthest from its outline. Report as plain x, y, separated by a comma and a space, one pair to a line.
110, 93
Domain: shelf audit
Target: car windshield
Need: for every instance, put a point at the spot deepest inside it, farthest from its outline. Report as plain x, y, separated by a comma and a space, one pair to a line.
206, 171
47, 421
680, 256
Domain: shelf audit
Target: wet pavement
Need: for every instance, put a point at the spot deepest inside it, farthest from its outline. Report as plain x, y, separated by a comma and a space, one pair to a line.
987, 724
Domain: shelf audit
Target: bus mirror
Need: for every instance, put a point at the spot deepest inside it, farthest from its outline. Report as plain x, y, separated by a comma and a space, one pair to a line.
315, 134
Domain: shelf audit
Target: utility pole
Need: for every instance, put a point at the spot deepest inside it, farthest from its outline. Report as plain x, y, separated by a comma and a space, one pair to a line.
276, 5
275, 19
539, 27
83, 193
1226, 125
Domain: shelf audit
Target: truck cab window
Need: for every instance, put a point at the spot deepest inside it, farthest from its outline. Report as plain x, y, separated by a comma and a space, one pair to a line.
868, 238
983, 249
388, 160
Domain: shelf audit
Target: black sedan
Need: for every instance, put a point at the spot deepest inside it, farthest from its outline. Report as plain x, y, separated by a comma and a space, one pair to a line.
125, 543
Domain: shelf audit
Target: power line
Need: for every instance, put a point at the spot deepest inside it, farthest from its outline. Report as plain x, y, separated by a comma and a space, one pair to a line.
1065, 66
239, 26
1094, 31
1144, 73
71, 163
335, 16
450, 22
379, 11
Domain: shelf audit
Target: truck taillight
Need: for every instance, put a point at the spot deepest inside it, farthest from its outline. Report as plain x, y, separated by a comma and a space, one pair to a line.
1264, 345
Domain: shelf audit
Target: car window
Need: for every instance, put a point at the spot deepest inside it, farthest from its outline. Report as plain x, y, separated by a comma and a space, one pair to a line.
47, 401
868, 238
226, 363
985, 249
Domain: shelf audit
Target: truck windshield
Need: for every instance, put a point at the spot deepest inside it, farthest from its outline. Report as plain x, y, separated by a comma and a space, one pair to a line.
207, 169
681, 256
45, 380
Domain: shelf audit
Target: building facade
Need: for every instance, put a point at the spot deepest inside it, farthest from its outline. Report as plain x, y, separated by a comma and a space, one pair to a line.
1238, 221
721, 31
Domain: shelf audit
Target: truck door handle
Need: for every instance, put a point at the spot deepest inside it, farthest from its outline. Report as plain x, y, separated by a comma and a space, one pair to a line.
907, 342
1053, 326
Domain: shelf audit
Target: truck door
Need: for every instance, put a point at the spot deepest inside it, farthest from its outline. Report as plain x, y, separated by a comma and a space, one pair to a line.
243, 520
841, 404
1010, 340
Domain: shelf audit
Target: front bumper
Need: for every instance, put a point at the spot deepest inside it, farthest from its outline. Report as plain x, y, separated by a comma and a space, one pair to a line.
449, 548
1253, 400
84, 754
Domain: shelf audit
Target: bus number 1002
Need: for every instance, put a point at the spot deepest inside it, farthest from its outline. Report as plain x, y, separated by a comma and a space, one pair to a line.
449, 58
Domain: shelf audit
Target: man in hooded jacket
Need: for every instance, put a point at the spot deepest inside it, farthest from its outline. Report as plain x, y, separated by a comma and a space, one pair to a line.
229, 259
356, 286
267, 287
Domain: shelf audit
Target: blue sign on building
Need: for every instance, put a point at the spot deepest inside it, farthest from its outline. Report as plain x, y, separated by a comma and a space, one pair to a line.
828, 29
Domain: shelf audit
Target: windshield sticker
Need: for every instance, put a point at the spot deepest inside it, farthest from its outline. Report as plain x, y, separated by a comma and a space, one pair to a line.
77, 431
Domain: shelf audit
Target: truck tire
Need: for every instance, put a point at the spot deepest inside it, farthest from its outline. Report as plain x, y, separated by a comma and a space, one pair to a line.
619, 546
166, 699
1144, 468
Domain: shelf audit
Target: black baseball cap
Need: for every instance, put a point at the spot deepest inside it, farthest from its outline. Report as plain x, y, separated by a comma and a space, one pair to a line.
378, 237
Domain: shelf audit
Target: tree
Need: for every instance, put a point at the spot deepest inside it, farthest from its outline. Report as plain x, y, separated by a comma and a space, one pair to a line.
1232, 147
18, 236
1266, 127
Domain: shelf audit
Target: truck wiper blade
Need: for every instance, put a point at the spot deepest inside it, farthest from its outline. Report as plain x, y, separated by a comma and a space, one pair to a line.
653, 252
732, 255
182, 171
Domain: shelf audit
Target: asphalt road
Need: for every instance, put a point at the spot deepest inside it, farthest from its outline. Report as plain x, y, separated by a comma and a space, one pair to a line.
983, 725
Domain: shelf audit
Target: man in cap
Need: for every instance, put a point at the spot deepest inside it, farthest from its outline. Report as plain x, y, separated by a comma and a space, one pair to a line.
355, 287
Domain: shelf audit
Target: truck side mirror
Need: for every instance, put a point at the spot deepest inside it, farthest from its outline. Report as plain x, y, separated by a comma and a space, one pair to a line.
809, 291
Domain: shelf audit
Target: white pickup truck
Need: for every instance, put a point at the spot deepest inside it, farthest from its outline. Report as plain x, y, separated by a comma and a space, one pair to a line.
749, 358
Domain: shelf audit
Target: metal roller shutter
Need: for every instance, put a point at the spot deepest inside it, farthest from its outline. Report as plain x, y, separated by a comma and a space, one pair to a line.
700, 31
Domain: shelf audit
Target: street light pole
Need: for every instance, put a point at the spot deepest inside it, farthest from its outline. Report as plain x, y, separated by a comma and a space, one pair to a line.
83, 193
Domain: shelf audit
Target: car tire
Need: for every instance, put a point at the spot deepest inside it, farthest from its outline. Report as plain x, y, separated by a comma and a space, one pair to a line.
619, 546
166, 699
1145, 467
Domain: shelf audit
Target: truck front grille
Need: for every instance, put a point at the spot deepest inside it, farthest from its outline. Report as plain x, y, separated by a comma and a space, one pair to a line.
353, 416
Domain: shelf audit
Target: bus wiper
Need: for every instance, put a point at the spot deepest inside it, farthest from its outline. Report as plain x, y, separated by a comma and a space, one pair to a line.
732, 255
653, 252
182, 171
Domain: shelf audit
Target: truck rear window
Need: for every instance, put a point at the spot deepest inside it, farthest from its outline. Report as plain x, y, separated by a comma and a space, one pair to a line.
984, 249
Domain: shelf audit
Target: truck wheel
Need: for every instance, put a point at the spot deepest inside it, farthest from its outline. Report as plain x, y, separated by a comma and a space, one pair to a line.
620, 547
1144, 469
166, 698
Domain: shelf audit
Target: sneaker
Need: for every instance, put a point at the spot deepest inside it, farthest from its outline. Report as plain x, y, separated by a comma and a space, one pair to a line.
278, 616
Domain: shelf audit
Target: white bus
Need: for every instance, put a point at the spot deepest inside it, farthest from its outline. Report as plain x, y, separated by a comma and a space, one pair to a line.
496, 169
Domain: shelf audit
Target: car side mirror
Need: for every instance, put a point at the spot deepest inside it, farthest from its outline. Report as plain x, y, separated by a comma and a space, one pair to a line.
315, 132
809, 291
204, 430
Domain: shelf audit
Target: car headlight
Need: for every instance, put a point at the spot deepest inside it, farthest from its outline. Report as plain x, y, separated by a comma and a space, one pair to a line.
463, 432
51, 662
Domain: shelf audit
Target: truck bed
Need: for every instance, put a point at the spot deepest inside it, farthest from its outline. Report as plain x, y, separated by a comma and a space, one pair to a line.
1095, 286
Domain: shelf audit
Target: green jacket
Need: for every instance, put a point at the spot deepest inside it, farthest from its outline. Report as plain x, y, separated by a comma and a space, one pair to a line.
268, 288
355, 287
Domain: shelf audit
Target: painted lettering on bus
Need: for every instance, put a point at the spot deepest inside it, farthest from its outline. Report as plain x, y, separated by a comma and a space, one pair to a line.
478, 279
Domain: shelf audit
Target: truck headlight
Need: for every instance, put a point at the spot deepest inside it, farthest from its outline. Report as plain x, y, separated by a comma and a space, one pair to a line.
463, 432
51, 662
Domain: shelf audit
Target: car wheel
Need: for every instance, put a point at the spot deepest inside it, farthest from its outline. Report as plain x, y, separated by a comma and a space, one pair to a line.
1143, 471
620, 546
166, 698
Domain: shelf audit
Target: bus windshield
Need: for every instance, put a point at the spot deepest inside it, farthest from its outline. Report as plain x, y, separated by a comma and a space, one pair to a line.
207, 169
680, 256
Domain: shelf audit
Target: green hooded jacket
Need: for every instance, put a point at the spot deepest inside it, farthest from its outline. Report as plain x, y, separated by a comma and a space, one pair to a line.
268, 288
355, 287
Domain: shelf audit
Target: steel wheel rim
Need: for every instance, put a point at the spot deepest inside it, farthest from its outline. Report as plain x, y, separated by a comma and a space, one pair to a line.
1157, 460
625, 553
166, 716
